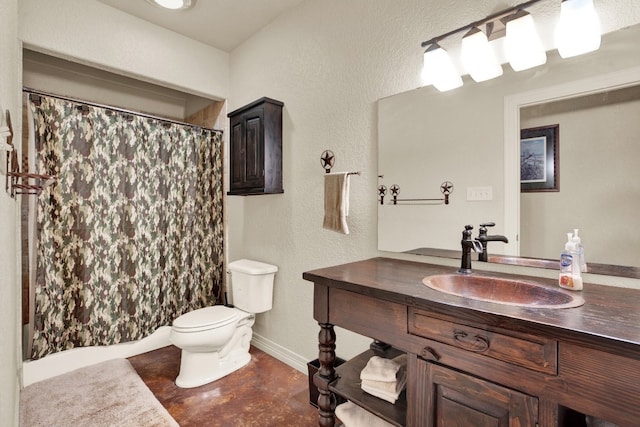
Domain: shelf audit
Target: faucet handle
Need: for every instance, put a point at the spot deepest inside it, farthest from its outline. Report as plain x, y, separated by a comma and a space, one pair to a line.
483, 228
466, 234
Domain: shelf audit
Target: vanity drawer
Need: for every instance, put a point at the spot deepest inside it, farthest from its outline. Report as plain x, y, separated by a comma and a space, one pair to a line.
369, 316
528, 351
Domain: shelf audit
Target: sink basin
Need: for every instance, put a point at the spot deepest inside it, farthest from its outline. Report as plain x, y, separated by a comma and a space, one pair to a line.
503, 291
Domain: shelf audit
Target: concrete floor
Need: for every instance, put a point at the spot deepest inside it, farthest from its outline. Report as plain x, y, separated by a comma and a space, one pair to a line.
264, 393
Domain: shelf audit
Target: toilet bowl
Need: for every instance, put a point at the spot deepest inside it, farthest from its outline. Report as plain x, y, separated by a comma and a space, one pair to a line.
215, 340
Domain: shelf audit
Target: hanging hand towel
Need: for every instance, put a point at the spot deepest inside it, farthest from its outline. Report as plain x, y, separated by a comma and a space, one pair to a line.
352, 415
336, 202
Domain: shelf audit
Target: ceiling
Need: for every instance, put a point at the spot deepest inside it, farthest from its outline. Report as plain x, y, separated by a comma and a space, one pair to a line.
223, 24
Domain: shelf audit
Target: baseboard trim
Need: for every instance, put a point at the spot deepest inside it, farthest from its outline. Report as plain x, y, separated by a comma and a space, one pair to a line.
59, 363
279, 352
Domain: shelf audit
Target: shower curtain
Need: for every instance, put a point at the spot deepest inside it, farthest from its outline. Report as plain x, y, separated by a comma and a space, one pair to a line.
131, 234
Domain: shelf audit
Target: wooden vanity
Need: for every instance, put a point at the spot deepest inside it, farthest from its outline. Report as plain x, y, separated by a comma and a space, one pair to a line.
474, 363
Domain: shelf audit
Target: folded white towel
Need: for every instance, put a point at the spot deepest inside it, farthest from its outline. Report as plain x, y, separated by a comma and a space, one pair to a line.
352, 415
389, 391
336, 202
381, 369
389, 386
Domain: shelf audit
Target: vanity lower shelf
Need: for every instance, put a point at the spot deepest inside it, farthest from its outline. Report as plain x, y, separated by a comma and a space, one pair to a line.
348, 386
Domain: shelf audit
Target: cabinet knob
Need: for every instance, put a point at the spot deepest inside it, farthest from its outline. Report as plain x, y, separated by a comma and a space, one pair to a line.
429, 353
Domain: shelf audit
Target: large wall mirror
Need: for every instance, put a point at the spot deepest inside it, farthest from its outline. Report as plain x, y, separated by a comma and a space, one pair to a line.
471, 138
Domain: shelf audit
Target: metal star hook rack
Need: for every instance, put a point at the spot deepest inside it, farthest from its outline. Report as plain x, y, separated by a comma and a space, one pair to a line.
446, 188
21, 182
327, 159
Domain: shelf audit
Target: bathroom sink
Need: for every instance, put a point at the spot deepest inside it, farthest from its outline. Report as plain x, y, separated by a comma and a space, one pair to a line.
498, 290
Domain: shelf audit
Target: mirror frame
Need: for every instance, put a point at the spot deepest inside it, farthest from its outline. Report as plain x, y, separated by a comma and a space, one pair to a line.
512, 106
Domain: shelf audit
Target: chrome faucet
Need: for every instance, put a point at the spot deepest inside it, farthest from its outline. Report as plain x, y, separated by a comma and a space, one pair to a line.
468, 244
483, 238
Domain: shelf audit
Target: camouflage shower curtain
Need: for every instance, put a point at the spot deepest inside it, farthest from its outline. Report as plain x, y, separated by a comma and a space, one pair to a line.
130, 236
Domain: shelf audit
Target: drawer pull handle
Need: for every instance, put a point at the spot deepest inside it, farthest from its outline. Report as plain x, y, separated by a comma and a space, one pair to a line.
476, 343
429, 354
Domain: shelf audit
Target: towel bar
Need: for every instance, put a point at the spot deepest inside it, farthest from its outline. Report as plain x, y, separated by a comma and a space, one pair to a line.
446, 188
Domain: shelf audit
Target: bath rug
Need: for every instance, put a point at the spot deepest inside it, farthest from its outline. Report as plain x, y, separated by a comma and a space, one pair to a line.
106, 394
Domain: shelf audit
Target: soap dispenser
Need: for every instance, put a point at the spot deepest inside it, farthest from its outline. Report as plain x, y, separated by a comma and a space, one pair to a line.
570, 277
580, 250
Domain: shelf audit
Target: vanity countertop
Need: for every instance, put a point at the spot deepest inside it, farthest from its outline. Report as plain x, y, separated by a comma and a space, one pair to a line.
609, 318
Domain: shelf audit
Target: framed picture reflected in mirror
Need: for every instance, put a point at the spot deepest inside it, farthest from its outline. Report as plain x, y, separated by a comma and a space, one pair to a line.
540, 159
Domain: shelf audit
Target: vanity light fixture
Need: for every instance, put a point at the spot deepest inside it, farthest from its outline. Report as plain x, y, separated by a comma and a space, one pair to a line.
174, 4
578, 32
578, 29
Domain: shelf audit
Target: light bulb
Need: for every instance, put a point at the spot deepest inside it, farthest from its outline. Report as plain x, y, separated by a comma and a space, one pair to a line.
173, 4
478, 57
439, 69
523, 46
578, 29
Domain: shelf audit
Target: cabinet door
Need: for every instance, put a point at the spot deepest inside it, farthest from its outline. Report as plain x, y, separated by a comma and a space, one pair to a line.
254, 145
237, 157
456, 399
247, 150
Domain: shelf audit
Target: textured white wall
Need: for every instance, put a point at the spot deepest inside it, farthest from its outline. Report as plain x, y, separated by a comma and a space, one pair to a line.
329, 61
9, 217
91, 32
53, 75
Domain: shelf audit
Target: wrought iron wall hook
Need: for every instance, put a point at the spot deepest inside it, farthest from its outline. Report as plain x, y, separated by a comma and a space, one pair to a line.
446, 188
395, 191
382, 191
327, 159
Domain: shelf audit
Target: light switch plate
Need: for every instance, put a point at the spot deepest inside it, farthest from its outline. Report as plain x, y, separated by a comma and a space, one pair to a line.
479, 193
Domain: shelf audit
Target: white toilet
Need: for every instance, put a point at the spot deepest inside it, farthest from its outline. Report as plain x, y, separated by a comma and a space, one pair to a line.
215, 340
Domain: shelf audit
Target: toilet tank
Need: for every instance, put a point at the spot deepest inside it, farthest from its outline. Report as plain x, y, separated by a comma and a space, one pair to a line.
252, 285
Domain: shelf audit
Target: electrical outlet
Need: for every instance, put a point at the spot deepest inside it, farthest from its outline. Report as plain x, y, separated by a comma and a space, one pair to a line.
479, 193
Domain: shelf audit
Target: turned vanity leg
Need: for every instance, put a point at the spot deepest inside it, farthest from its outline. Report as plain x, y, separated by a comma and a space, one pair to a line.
326, 375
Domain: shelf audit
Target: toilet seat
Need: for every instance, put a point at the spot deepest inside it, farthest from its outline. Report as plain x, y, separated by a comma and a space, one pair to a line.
205, 319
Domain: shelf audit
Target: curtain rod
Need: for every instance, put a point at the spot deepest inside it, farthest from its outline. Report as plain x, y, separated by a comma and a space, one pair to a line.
117, 109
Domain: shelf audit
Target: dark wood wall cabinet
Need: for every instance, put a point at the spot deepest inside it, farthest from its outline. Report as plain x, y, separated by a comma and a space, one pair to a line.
256, 148
473, 363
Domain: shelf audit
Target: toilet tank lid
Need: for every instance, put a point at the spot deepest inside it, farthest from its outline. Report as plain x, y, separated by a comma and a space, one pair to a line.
248, 266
